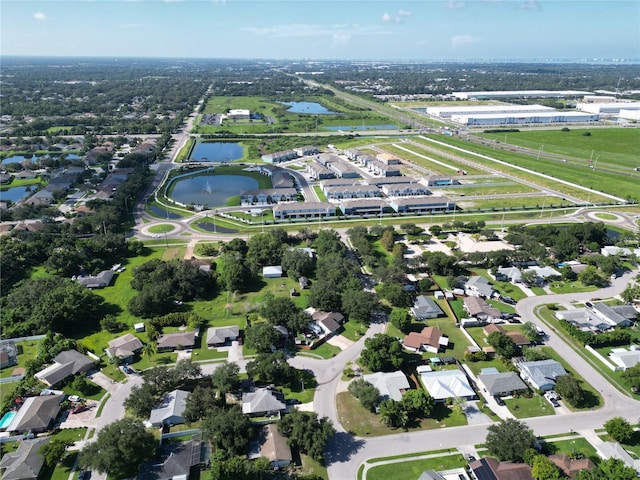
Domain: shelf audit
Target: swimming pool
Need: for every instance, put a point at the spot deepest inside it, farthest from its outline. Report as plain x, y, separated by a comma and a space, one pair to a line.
6, 419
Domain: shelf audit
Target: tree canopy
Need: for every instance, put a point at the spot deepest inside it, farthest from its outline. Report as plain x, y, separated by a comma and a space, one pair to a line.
228, 429
382, 353
306, 432
509, 439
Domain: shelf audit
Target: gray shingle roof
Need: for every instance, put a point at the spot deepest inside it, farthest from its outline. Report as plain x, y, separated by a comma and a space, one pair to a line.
173, 405
25, 463
173, 460
542, 372
65, 364
221, 334
497, 383
262, 400
36, 413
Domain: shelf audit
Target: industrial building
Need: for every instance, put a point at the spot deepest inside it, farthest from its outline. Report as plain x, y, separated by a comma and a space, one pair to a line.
525, 118
519, 94
612, 108
629, 115
239, 114
448, 112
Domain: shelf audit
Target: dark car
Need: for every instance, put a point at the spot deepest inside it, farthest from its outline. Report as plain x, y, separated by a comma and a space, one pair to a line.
554, 402
498, 400
80, 408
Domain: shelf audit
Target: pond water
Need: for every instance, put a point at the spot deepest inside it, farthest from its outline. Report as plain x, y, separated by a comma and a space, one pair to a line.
308, 107
14, 194
34, 158
216, 152
362, 127
211, 190
210, 227
161, 212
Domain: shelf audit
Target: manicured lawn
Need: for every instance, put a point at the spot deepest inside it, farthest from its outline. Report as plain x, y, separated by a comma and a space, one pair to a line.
538, 290
535, 406
458, 308
161, 228
95, 393
61, 470
458, 343
577, 444
71, 435
321, 196
27, 350
354, 330
326, 350
476, 367
413, 468
363, 423
571, 287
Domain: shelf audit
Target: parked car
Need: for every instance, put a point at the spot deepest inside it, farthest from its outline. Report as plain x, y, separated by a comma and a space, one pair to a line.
498, 400
74, 398
554, 402
79, 408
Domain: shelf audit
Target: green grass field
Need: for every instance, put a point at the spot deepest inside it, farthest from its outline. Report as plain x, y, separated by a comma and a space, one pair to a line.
523, 407
413, 468
29, 350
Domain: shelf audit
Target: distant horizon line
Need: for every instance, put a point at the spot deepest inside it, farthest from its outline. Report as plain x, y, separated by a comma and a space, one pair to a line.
582, 61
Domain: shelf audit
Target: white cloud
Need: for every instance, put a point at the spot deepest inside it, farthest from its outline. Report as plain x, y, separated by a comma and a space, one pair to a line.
336, 32
397, 18
458, 41
453, 5
39, 16
340, 39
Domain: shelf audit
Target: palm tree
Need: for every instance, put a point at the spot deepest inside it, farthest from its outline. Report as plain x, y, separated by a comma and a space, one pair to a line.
149, 349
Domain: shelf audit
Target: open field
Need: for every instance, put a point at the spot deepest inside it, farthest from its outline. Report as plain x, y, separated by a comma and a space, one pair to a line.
496, 189
615, 184
616, 147
435, 167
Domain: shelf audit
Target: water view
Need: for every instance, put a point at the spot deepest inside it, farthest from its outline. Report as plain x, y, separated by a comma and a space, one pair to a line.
211, 190
161, 212
14, 194
36, 158
308, 107
216, 152
362, 127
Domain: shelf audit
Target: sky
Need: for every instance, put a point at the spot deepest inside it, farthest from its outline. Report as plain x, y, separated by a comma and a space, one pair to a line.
422, 30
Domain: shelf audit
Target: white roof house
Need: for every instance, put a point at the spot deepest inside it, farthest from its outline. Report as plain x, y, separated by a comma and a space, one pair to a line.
445, 384
613, 450
272, 271
170, 411
625, 358
478, 286
391, 385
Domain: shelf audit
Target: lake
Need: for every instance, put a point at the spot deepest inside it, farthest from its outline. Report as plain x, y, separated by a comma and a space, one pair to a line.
308, 107
362, 127
161, 212
211, 190
14, 194
216, 152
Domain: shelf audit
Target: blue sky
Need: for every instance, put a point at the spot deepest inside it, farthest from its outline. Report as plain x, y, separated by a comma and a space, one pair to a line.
323, 29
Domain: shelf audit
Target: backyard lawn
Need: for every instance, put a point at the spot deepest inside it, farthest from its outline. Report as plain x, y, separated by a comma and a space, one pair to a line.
27, 350
413, 468
577, 444
523, 407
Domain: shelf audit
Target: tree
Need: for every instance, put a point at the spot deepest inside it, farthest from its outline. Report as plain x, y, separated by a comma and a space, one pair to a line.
149, 349
199, 403
279, 310
381, 353
306, 432
226, 467
81, 384
502, 344
632, 377
262, 337
387, 240
324, 295
608, 470
236, 274
53, 451
365, 392
411, 228
272, 368
228, 429
591, 276
418, 402
530, 331
358, 305
328, 241
569, 389
225, 378
393, 414
264, 249
396, 295
401, 319
119, 449
544, 469
530, 277
509, 439
439, 263
619, 429
297, 263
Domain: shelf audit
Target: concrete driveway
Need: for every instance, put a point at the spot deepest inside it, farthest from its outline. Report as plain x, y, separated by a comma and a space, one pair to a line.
474, 415
103, 381
340, 341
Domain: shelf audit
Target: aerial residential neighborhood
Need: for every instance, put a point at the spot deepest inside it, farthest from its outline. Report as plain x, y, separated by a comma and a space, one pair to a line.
223, 266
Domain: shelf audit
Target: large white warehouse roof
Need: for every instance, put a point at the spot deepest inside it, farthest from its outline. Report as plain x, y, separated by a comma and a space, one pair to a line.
629, 114
525, 118
613, 107
447, 112
521, 94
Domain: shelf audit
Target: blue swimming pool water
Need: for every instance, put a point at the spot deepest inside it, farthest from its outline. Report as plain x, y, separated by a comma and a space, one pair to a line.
6, 419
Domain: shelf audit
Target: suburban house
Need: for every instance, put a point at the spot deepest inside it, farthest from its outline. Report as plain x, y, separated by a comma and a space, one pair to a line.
272, 271
624, 358
101, 280
65, 364
318, 171
391, 385
511, 274
608, 450
269, 195
36, 414
478, 308
377, 167
597, 317
444, 384
501, 383
329, 322
263, 402
352, 191
570, 466
543, 274
430, 339
541, 374
8, 354
171, 341
25, 463
611, 251
423, 203
404, 189
388, 158
518, 338
304, 209
174, 461
425, 307
277, 157
478, 286
487, 468
343, 169
124, 347
273, 446
220, 336
170, 411
306, 150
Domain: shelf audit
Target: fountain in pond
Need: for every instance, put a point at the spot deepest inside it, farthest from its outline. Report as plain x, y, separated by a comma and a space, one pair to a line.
207, 187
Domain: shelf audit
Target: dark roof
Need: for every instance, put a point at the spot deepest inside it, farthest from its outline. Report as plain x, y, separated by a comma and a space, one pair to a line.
488, 468
65, 364
172, 460
25, 463
173, 340
36, 413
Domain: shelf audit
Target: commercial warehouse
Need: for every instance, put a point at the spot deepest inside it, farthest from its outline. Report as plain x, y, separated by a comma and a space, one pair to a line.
612, 108
448, 112
519, 94
525, 118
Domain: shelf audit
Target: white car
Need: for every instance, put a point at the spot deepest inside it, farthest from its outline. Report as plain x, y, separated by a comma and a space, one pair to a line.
74, 398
